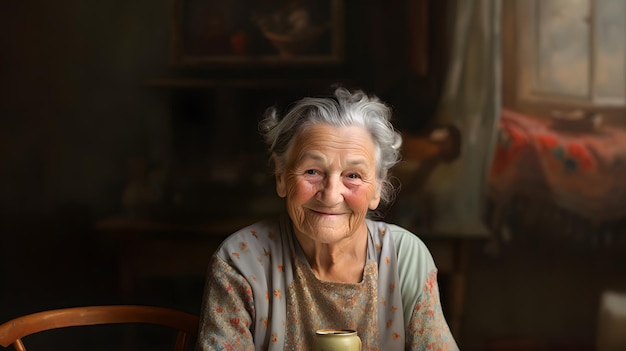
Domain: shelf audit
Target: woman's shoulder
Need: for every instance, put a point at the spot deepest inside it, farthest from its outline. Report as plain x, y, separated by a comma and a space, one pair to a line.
260, 233
396, 232
406, 243
413, 259
255, 251
251, 239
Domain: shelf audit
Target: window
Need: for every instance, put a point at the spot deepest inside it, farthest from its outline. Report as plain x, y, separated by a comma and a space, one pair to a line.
565, 54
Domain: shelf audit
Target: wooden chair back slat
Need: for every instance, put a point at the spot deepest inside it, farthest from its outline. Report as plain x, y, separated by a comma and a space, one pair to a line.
14, 330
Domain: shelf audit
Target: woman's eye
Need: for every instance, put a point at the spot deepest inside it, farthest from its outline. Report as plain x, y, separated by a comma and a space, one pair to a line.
311, 172
353, 176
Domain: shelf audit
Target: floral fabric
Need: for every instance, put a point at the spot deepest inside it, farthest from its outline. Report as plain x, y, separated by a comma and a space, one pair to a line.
261, 294
583, 171
428, 330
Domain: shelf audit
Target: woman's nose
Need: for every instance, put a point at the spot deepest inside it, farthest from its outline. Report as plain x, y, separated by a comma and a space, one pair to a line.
332, 192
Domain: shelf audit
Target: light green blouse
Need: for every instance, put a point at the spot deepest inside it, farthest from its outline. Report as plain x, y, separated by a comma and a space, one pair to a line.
261, 294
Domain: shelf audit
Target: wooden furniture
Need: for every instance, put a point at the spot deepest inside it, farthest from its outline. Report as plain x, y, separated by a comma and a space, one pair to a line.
12, 332
452, 258
156, 249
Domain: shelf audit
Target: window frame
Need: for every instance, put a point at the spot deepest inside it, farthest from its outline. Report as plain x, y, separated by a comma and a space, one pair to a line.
519, 49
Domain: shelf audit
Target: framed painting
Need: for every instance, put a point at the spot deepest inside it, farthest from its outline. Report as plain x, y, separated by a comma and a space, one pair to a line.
257, 33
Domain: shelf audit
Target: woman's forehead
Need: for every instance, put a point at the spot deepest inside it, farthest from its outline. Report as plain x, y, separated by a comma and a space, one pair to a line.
324, 135
316, 143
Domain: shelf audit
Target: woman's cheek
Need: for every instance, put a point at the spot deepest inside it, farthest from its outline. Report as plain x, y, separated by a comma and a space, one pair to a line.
298, 189
359, 196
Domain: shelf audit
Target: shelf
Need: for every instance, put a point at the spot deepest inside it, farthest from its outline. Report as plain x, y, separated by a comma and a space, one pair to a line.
196, 83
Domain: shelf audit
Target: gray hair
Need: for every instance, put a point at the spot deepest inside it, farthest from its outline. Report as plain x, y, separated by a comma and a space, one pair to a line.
344, 109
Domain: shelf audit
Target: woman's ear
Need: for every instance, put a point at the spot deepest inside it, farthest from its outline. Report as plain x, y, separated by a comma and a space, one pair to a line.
375, 200
281, 189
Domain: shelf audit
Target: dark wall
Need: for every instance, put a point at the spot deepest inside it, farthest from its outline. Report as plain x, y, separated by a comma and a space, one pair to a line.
72, 110
76, 109
73, 105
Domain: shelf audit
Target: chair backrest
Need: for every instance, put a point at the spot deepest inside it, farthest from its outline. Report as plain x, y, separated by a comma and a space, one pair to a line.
12, 332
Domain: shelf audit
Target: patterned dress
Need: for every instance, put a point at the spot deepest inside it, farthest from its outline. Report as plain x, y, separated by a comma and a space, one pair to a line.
261, 294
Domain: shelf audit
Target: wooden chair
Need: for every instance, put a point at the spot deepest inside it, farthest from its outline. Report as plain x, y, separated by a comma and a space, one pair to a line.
422, 153
12, 332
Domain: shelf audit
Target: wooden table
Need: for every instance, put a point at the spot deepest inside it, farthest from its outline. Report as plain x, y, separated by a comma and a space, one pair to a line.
452, 257
148, 248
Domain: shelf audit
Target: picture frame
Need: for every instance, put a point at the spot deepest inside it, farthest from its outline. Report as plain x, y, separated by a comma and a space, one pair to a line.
217, 33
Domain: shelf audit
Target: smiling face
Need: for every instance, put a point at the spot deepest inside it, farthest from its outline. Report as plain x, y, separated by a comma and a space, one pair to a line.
329, 182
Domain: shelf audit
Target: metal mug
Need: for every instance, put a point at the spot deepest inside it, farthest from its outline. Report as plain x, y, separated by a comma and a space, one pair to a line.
337, 340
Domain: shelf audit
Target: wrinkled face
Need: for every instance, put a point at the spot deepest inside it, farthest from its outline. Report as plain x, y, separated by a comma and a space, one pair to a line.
329, 182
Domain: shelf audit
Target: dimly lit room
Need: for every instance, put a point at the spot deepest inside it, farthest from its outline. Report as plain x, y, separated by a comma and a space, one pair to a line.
130, 149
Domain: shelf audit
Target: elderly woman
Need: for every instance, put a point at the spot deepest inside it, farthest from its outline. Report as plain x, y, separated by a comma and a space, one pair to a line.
325, 263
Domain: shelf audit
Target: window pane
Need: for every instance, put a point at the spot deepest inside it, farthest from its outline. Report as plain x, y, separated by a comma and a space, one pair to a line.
564, 46
610, 31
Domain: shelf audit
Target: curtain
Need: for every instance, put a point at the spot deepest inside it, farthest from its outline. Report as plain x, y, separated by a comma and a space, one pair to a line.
471, 102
